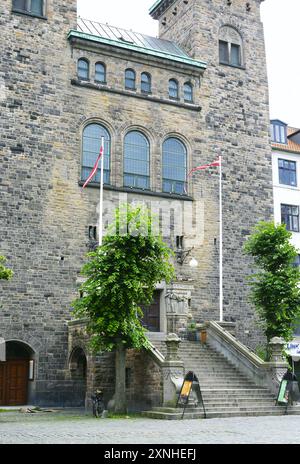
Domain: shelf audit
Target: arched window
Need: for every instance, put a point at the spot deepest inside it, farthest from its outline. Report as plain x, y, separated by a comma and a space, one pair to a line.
146, 83
130, 79
136, 161
35, 7
83, 70
91, 144
174, 166
100, 72
230, 47
188, 92
173, 89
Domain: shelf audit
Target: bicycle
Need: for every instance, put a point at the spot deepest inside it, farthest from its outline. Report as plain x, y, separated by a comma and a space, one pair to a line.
98, 403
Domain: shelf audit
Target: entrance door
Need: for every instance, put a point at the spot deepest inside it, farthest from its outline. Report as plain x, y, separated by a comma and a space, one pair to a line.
151, 319
13, 382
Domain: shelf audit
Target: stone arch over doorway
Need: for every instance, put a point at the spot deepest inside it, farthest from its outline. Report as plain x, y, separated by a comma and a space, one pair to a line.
17, 374
78, 375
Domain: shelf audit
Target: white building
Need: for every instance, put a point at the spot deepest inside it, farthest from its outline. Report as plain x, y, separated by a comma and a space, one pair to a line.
286, 181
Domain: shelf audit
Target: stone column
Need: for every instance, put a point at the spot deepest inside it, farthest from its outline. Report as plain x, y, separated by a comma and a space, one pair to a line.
173, 371
276, 345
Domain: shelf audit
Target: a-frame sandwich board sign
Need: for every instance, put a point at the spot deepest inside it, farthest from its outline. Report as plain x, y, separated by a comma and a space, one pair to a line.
190, 383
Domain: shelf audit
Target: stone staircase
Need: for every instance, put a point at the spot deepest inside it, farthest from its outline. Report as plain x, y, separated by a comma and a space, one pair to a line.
225, 391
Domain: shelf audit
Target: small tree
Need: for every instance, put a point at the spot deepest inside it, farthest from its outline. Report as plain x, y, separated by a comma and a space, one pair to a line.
5, 273
275, 288
121, 275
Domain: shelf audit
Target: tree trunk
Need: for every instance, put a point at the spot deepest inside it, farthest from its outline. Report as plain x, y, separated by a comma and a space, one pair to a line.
120, 391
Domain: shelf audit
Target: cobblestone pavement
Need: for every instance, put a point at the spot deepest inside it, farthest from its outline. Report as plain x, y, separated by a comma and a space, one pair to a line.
63, 428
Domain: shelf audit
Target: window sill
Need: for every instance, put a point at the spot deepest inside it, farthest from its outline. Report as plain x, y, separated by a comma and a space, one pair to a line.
27, 13
232, 66
151, 193
134, 94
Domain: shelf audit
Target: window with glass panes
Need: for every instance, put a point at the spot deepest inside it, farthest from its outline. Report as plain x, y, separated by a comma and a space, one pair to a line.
296, 262
146, 83
130, 79
230, 53
287, 172
278, 133
100, 72
174, 166
290, 217
35, 7
91, 144
188, 92
83, 69
136, 161
173, 89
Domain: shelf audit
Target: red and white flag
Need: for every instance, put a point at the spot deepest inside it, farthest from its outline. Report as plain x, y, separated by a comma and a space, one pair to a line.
94, 170
205, 166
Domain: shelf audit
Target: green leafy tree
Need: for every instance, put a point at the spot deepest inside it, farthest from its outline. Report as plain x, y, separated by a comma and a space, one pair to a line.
5, 273
121, 275
275, 287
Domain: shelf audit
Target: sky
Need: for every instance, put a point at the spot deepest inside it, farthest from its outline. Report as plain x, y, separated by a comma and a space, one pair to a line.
282, 34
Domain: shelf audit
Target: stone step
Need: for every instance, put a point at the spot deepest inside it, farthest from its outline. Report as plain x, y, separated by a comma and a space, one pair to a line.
172, 415
242, 401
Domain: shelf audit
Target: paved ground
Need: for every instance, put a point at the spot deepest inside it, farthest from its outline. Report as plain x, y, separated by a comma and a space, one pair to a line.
53, 428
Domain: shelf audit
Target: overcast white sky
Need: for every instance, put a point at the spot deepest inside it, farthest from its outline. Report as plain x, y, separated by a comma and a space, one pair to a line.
282, 31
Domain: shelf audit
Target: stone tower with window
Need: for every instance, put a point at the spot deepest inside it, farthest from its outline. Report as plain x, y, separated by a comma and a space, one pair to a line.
234, 121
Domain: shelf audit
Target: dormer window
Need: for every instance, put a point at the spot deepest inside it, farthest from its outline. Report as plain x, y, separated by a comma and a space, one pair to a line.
33, 7
278, 131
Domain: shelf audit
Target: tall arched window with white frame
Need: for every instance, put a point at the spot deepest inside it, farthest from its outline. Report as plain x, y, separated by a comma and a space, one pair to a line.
136, 161
91, 144
174, 167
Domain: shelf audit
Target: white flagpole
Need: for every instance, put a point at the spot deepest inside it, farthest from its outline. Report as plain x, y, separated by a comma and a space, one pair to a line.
221, 242
101, 194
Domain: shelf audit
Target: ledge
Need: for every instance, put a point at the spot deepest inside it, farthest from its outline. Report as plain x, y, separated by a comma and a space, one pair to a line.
139, 191
27, 13
141, 96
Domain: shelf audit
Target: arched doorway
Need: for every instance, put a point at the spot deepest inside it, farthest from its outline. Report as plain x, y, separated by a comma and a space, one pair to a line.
16, 373
78, 370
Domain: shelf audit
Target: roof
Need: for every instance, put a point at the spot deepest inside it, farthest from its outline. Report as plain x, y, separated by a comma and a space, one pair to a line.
291, 145
115, 36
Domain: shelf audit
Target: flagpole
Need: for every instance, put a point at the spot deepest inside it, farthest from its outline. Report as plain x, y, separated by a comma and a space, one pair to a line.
221, 241
101, 194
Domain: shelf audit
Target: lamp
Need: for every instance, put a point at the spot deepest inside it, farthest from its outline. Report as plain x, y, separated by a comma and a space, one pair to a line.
193, 263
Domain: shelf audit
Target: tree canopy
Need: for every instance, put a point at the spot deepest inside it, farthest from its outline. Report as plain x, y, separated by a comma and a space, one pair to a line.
121, 275
275, 287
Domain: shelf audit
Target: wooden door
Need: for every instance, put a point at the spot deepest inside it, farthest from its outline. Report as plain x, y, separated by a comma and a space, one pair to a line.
13, 382
151, 319
2, 383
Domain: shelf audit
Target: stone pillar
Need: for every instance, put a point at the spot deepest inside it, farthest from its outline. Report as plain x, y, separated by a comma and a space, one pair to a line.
173, 371
172, 341
276, 345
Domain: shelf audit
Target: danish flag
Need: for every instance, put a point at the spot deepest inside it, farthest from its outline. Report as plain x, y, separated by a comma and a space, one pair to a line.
94, 170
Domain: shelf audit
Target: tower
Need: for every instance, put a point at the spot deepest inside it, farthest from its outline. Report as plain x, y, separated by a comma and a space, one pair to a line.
35, 113
228, 35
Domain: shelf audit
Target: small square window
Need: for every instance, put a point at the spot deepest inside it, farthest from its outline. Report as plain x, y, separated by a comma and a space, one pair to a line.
287, 172
290, 217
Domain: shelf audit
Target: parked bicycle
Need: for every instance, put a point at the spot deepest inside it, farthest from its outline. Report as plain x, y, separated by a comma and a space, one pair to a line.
98, 403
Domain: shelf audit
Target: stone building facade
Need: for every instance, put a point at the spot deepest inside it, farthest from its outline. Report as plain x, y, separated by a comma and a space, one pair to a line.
214, 49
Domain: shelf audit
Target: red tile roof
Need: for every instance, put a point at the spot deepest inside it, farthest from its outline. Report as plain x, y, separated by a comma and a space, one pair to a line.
291, 146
